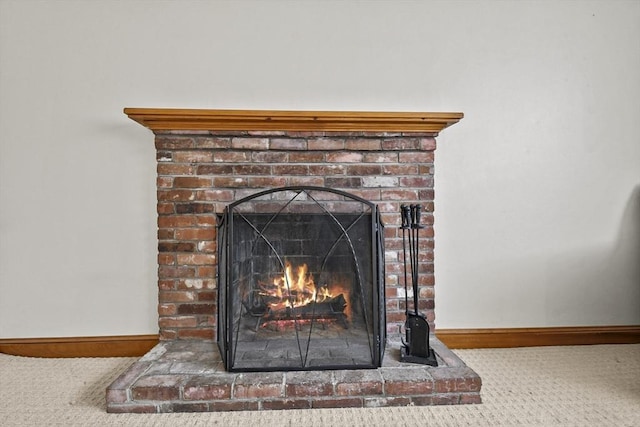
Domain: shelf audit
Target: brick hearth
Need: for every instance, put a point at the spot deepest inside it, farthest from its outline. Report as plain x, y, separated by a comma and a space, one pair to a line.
206, 160
188, 376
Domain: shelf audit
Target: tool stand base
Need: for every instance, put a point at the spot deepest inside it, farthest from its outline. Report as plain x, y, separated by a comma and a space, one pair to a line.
408, 358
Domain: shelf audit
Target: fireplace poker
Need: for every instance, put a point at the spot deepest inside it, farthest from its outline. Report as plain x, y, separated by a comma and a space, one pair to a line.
405, 215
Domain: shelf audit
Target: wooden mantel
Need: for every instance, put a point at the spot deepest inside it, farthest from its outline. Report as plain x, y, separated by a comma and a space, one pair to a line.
163, 119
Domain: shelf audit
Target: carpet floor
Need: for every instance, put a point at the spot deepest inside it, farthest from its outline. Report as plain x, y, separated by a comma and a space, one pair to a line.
536, 386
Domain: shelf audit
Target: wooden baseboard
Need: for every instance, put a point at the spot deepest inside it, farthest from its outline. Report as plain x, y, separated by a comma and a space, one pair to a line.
112, 346
138, 345
534, 337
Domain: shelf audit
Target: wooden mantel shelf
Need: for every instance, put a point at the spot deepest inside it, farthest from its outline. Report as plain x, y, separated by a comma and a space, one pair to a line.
164, 119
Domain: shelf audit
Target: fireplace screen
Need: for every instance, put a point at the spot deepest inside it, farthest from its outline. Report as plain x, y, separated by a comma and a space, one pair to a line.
301, 281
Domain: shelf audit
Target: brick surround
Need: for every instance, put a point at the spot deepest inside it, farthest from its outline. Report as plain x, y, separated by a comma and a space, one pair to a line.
207, 159
199, 173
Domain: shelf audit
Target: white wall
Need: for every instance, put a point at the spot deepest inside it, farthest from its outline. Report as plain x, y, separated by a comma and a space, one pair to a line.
538, 187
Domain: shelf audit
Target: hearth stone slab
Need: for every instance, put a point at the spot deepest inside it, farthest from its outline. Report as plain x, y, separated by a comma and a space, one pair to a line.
188, 376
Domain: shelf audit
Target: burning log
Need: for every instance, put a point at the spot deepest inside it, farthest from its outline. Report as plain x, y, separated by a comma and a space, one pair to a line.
327, 308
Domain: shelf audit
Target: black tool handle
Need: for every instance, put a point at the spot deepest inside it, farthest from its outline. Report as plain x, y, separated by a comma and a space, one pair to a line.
416, 213
405, 212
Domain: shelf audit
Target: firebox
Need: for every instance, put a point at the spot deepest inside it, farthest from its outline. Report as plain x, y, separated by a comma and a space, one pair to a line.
301, 281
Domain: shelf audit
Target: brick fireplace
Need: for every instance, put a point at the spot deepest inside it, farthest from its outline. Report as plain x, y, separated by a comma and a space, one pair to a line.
206, 160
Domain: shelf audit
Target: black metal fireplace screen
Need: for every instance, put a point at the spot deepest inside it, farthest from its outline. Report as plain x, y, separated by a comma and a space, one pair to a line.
301, 281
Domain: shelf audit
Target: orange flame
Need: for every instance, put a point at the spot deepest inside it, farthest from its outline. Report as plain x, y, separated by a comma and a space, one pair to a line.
296, 288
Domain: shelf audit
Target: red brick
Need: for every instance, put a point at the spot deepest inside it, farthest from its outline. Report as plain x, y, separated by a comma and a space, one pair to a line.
208, 247
165, 208
194, 208
270, 157
177, 322
252, 170
315, 181
413, 157
215, 195
327, 169
116, 396
213, 142
416, 181
164, 156
166, 271
343, 182
425, 169
176, 296
176, 246
168, 335
196, 259
326, 144
230, 182
193, 156
166, 309
156, 387
306, 157
338, 402
215, 169
250, 143
278, 404
288, 144
399, 195
173, 143
344, 157
206, 334
396, 317
231, 156
266, 182
208, 388
191, 182
371, 194
363, 144
258, 385
174, 169
176, 195
400, 144
205, 271
166, 285
291, 170
195, 234
364, 170
313, 389
195, 309
164, 182
445, 399
380, 181
166, 259
403, 169
470, 398
408, 381
193, 284
358, 383
428, 143
381, 157
179, 221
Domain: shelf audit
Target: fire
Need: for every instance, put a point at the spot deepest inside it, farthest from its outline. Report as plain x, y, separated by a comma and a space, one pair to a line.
296, 288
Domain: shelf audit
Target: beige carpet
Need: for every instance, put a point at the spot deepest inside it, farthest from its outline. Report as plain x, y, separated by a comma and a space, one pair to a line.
541, 386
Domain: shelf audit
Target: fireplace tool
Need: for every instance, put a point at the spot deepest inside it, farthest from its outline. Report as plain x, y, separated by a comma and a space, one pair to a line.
415, 348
